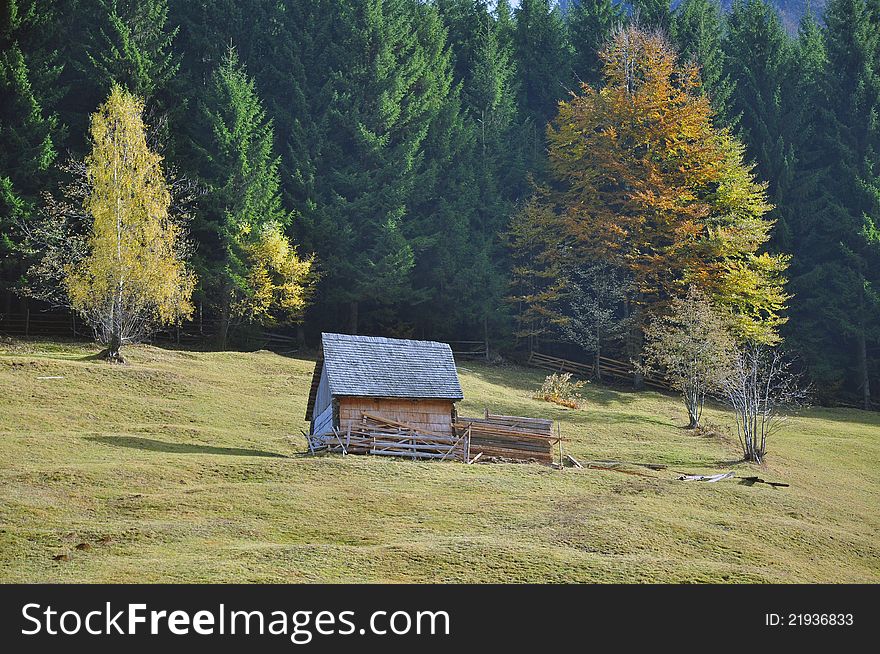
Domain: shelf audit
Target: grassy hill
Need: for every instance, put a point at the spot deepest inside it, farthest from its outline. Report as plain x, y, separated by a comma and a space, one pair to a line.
186, 466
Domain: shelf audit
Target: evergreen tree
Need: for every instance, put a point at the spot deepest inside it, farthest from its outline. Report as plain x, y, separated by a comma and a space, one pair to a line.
247, 268
652, 14
837, 279
543, 64
697, 29
485, 70
804, 132
204, 31
385, 91
29, 130
590, 24
758, 55
462, 206
504, 23
125, 42
131, 46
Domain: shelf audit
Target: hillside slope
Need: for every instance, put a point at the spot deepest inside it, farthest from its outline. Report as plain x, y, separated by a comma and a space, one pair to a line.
184, 466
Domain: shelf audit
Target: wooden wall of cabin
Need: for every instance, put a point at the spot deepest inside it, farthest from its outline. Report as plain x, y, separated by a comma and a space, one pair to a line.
322, 397
431, 415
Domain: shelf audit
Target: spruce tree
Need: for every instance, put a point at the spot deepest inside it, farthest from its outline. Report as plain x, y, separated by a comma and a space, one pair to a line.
131, 46
652, 14
484, 68
758, 58
837, 279
206, 28
590, 23
29, 129
698, 30
469, 162
242, 216
543, 63
383, 93
504, 23
124, 42
805, 133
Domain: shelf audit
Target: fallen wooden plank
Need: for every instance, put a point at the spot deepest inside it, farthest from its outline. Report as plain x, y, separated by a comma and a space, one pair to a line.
709, 478
309, 442
573, 461
380, 419
416, 455
341, 444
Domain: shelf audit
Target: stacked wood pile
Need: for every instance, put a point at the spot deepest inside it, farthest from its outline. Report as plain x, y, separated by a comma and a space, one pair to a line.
384, 437
509, 437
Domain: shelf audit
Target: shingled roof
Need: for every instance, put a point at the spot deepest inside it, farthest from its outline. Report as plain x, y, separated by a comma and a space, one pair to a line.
371, 366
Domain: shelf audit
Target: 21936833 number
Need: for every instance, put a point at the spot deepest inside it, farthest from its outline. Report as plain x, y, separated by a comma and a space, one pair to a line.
820, 619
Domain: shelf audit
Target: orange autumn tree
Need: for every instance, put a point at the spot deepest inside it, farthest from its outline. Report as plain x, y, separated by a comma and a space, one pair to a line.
642, 180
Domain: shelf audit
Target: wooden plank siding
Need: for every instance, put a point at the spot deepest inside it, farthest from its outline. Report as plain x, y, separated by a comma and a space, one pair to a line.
427, 414
322, 395
324, 422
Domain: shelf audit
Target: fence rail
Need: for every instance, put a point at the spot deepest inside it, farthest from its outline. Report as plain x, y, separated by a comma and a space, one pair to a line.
608, 368
59, 324
477, 349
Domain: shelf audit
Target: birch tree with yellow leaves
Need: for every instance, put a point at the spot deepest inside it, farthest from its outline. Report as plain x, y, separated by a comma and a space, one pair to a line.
133, 277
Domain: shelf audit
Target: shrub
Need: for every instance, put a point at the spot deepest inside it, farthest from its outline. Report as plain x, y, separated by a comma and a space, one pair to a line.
560, 389
692, 346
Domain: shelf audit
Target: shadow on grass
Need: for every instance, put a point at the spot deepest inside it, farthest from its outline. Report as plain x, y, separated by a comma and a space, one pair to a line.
591, 416
841, 414
151, 445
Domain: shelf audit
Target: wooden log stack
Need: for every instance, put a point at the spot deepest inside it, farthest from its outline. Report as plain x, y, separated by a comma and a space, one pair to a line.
376, 435
509, 437
492, 437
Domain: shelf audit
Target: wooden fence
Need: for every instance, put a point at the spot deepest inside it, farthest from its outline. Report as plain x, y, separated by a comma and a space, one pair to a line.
43, 323
488, 438
608, 367
464, 349
54, 324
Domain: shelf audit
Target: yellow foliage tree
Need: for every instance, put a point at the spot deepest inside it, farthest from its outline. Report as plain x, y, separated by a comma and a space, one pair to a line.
133, 277
641, 179
277, 278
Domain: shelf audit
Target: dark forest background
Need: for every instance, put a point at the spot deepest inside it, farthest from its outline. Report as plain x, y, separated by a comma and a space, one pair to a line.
406, 133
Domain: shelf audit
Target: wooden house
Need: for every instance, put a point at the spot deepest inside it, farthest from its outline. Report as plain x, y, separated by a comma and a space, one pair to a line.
411, 382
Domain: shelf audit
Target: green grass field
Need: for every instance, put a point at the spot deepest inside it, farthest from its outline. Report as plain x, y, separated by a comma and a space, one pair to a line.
187, 467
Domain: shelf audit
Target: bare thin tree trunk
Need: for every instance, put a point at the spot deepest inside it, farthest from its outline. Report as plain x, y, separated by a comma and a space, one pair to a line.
486, 334
863, 369
634, 342
225, 318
